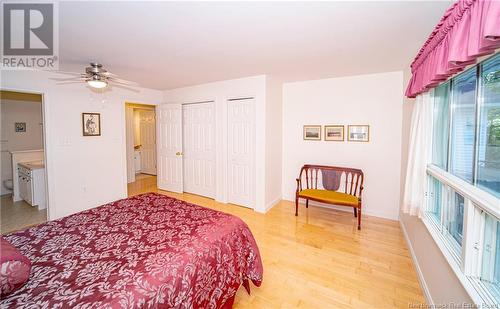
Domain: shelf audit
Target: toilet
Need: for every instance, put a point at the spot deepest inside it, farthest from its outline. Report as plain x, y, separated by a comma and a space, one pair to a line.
7, 184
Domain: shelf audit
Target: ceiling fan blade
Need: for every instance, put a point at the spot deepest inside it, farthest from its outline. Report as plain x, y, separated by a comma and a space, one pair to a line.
109, 74
67, 73
124, 87
122, 81
69, 79
70, 82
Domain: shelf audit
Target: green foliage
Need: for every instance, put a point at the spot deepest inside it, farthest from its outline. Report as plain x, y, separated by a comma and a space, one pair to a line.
494, 126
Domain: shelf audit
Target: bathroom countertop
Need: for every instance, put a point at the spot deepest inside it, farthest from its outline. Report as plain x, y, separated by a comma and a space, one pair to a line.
25, 151
33, 165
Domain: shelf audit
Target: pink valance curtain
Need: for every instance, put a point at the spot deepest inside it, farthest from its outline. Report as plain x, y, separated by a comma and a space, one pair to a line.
469, 29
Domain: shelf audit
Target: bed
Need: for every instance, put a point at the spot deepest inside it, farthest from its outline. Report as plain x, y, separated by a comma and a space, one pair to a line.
145, 251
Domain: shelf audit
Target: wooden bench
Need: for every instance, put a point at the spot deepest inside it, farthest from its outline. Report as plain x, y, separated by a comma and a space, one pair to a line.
338, 186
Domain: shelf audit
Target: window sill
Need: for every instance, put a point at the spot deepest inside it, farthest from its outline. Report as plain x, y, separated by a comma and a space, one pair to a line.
482, 199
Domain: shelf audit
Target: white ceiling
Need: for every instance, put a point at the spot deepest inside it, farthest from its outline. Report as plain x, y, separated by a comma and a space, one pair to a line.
165, 45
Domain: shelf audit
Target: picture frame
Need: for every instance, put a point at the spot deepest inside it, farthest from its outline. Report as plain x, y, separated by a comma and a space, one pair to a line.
358, 133
334, 133
91, 124
20, 127
312, 133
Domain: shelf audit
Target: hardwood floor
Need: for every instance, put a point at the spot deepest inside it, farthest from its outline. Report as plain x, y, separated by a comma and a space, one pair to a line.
319, 259
18, 215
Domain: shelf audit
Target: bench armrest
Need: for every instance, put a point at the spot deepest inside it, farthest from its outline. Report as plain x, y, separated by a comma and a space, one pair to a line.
299, 185
360, 192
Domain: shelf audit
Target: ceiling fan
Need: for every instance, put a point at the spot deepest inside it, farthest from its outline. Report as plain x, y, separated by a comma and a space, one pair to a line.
96, 76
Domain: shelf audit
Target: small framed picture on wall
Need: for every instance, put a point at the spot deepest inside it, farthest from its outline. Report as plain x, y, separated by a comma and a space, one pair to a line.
312, 133
358, 133
20, 127
91, 123
334, 133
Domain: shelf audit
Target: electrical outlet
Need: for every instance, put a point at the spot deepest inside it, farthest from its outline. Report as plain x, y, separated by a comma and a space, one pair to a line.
65, 141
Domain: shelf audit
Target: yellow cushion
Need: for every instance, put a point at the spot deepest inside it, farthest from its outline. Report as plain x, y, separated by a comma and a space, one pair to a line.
332, 197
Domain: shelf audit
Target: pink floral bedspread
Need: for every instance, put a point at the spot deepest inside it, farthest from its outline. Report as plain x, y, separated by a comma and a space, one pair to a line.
145, 251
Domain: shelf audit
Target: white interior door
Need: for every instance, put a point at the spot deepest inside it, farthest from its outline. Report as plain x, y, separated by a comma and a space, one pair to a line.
169, 150
199, 148
241, 152
148, 141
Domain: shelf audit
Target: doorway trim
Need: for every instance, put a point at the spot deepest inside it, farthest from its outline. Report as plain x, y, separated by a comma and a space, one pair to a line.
47, 156
127, 105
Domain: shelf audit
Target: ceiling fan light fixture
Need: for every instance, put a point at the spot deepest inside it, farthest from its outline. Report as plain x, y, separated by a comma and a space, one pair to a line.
96, 77
97, 83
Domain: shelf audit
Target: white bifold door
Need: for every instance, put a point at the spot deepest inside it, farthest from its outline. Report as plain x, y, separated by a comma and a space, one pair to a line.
148, 141
186, 148
241, 151
199, 148
169, 140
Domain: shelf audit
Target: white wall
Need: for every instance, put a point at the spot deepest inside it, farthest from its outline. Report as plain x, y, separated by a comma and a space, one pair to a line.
220, 92
80, 167
13, 111
374, 99
274, 154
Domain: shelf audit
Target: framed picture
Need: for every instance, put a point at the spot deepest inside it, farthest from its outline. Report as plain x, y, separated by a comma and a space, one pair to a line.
91, 123
358, 133
20, 126
312, 133
334, 133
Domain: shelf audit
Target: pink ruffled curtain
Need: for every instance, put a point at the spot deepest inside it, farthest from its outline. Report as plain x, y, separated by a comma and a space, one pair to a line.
469, 29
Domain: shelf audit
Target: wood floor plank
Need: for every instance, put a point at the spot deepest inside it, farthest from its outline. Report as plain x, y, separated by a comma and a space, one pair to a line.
319, 259
316, 260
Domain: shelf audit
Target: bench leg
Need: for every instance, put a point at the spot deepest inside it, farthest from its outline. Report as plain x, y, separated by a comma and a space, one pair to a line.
359, 218
355, 212
307, 203
296, 206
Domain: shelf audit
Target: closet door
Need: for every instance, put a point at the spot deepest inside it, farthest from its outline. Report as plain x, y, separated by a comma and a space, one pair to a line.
241, 152
199, 148
148, 141
169, 150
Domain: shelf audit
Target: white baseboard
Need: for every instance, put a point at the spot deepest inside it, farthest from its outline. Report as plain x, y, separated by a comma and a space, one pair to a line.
273, 203
420, 275
270, 205
5, 191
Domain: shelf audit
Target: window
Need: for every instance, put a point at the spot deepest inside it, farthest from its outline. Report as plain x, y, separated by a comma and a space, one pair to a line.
446, 211
455, 217
463, 125
441, 125
490, 272
463, 197
436, 199
488, 157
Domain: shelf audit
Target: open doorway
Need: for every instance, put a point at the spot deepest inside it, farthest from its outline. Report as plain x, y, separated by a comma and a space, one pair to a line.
23, 173
141, 146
